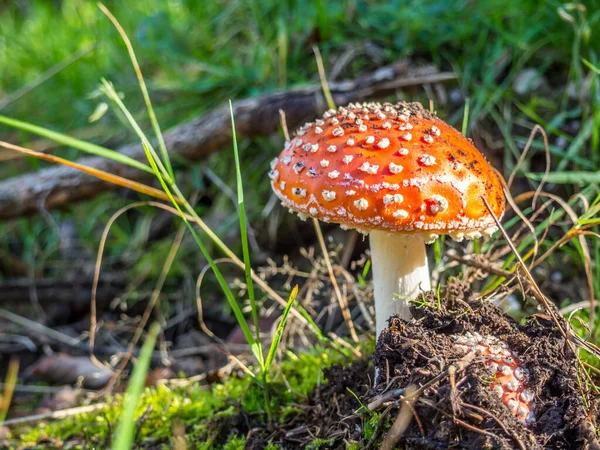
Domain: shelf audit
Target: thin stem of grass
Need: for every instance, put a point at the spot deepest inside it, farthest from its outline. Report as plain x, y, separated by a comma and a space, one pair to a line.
69, 141
143, 88
112, 94
465, 122
9, 388
323, 78
125, 430
244, 238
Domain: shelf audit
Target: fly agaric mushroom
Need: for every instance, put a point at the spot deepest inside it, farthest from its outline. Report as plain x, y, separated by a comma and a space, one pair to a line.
397, 173
510, 377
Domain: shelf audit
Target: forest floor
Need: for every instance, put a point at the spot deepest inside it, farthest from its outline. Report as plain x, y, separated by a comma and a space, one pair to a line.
516, 65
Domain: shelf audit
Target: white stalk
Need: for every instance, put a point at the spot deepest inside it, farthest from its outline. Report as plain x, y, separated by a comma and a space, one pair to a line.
400, 273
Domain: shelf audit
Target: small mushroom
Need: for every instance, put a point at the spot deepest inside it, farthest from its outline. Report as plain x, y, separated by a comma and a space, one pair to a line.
402, 188
510, 378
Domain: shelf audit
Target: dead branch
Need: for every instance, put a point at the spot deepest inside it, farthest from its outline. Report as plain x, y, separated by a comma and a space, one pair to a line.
57, 186
54, 415
72, 290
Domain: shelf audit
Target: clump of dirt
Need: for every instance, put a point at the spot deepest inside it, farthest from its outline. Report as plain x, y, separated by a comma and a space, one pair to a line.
462, 410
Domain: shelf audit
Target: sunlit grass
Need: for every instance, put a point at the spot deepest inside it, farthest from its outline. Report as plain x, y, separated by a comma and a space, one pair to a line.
196, 57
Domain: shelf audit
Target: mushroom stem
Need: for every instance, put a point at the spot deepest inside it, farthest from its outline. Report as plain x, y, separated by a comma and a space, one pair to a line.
400, 273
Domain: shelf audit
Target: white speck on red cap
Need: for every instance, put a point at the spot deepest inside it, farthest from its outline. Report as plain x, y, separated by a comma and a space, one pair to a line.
427, 160
298, 167
451, 174
329, 195
361, 204
384, 143
339, 131
395, 168
392, 198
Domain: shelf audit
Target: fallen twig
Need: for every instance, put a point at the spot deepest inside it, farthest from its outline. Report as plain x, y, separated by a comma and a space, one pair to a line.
54, 415
259, 116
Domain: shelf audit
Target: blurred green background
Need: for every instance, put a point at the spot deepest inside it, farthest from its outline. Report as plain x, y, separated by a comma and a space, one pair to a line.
518, 63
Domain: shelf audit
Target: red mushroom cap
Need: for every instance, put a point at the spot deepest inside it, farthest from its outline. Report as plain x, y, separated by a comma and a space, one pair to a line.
395, 168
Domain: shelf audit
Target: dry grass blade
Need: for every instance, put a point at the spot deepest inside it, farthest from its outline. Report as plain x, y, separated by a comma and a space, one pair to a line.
150, 306
199, 281
9, 388
534, 131
513, 204
100, 174
340, 298
236, 261
550, 308
143, 88
574, 232
284, 126
324, 84
402, 420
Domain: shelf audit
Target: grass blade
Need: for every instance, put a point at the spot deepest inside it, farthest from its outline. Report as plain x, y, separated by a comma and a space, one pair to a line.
11, 380
279, 332
125, 428
69, 141
109, 90
323, 78
244, 236
571, 177
465, 122
143, 88
101, 174
239, 315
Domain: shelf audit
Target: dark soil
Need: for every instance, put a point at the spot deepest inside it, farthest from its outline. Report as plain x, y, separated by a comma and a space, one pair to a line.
462, 413
331, 413
415, 352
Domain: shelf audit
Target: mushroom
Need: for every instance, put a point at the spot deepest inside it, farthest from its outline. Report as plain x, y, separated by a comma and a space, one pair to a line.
397, 173
510, 378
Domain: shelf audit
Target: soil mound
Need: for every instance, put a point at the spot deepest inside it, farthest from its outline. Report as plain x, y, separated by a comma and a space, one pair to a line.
456, 406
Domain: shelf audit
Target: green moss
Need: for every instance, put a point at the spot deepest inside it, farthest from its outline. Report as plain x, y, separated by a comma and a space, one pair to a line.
318, 444
235, 444
206, 412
